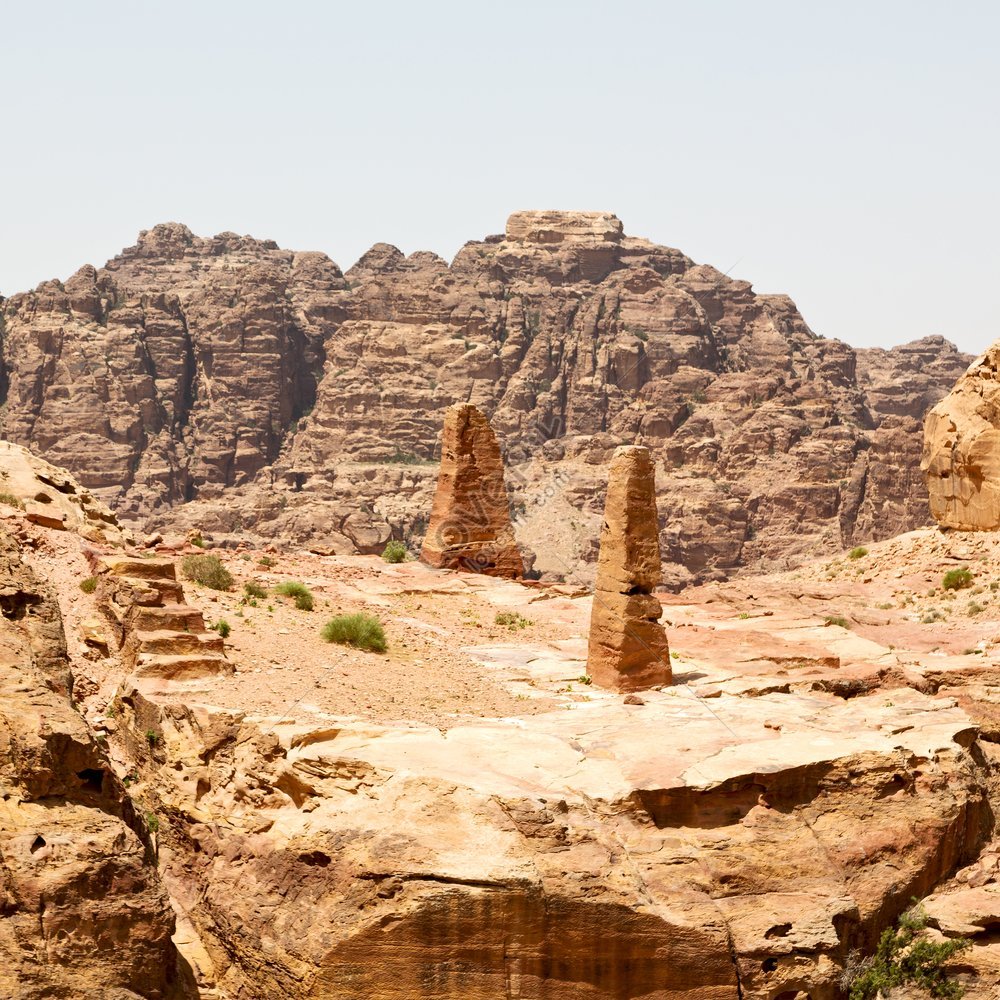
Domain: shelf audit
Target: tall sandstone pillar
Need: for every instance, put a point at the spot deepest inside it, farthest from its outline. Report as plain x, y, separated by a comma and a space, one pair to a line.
470, 525
628, 647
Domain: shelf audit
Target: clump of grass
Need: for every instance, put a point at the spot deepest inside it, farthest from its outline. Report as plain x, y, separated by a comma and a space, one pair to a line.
223, 628
267, 562
89, 585
11, 500
837, 620
253, 589
395, 551
153, 738
743, 615
858, 552
302, 594
585, 679
208, 571
358, 630
152, 822
512, 619
974, 608
957, 579
198, 542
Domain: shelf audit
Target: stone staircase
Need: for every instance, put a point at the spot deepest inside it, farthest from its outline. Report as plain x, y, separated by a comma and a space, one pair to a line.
160, 636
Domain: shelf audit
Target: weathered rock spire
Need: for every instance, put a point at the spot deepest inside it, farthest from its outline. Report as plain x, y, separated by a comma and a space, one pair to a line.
628, 647
470, 525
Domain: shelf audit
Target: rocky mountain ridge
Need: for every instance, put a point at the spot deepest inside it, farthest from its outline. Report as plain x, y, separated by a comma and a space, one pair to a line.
251, 391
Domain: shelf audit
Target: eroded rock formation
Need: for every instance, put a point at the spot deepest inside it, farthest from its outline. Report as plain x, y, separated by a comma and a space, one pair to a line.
286, 401
470, 525
628, 647
961, 458
82, 909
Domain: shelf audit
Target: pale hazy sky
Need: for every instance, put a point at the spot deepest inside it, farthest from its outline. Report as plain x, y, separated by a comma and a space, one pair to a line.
845, 153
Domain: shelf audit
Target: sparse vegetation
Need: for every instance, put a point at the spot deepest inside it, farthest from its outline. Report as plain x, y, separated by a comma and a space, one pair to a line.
585, 679
837, 620
208, 571
152, 822
957, 579
744, 615
11, 500
904, 956
223, 628
153, 738
858, 552
395, 551
360, 630
253, 589
89, 585
512, 619
267, 562
299, 591
974, 608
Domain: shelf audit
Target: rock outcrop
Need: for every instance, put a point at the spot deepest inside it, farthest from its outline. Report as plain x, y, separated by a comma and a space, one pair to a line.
961, 458
254, 392
53, 498
628, 647
82, 910
470, 526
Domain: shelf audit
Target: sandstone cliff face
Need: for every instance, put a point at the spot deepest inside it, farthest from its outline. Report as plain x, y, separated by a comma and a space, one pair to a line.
82, 909
961, 457
187, 367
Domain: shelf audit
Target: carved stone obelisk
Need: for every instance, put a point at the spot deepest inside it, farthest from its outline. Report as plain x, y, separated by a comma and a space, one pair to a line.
470, 526
628, 647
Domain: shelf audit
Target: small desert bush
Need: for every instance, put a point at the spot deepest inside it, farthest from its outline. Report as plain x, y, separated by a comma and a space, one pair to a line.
974, 608
358, 630
223, 628
253, 589
904, 956
394, 552
957, 579
208, 571
512, 620
267, 562
838, 620
89, 585
858, 552
302, 594
11, 500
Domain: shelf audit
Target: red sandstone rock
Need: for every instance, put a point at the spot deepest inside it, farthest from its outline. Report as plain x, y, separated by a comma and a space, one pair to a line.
470, 525
289, 404
628, 647
961, 458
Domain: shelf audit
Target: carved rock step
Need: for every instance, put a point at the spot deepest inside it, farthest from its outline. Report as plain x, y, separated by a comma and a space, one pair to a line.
141, 569
182, 667
168, 618
169, 642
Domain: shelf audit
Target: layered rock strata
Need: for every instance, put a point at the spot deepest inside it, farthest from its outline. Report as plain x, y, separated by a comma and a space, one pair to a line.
628, 647
961, 458
470, 526
82, 910
230, 385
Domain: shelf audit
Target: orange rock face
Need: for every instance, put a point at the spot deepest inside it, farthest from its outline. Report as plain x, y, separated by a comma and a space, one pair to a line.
470, 524
961, 457
628, 647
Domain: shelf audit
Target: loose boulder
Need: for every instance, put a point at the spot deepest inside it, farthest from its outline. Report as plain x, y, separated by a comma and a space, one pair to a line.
470, 525
961, 458
628, 647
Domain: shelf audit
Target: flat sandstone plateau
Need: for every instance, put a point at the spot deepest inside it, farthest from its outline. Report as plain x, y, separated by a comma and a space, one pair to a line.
467, 816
